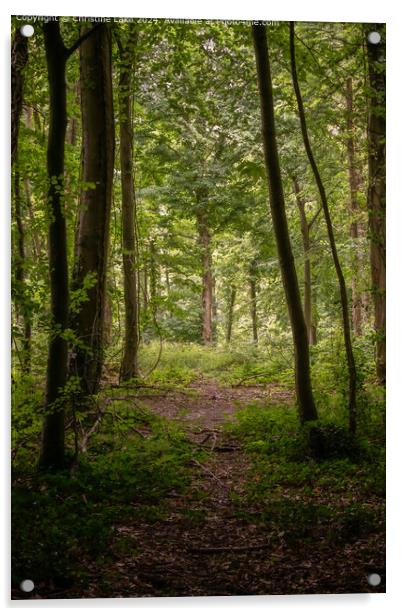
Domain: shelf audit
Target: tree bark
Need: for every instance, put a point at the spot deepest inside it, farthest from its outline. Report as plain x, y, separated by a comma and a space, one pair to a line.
52, 451
331, 237
207, 277
305, 399
253, 299
129, 366
376, 191
92, 239
354, 186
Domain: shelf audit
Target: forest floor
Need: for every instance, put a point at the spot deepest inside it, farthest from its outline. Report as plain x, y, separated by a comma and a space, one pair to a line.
212, 541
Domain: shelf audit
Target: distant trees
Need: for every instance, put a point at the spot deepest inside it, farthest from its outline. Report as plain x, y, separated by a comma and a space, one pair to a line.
305, 399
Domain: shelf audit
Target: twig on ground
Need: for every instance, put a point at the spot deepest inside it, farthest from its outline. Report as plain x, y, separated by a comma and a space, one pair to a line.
230, 548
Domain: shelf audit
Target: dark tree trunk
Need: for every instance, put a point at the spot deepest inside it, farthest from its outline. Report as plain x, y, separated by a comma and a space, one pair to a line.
92, 239
229, 322
207, 277
305, 230
331, 237
129, 366
305, 399
19, 59
376, 190
354, 186
252, 281
52, 453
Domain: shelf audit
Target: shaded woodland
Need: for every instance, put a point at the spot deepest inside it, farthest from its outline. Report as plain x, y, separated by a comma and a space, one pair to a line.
198, 308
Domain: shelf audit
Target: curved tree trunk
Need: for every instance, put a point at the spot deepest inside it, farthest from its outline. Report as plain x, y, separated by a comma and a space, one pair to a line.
331, 237
305, 229
129, 366
92, 239
305, 399
376, 191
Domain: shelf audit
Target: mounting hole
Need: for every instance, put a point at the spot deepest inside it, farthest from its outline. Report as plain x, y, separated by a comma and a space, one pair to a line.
27, 30
374, 38
27, 585
374, 579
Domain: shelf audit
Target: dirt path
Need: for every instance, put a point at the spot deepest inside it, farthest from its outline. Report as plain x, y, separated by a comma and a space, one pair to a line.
202, 547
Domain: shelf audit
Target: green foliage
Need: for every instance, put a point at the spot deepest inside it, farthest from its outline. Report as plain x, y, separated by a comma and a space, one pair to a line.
63, 521
296, 466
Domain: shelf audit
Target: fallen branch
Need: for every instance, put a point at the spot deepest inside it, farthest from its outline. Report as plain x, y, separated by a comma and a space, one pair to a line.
206, 470
231, 548
250, 376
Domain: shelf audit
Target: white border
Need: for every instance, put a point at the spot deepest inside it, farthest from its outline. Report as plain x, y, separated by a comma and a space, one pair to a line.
306, 10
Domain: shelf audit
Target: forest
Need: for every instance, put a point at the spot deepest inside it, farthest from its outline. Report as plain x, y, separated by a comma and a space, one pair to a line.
198, 308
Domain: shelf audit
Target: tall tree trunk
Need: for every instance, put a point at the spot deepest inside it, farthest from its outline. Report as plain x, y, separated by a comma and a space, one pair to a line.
331, 237
52, 452
129, 366
92, 239
252, 281
376, 190
229, 322
354, 186
207, 277
305, 230
305, 399
52, 448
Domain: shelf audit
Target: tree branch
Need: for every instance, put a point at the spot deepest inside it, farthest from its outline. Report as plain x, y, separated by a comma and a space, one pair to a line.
80, 40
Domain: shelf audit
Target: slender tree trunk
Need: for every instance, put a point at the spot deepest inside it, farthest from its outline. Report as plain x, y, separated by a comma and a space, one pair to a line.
324, 203
52, 452
207, 277
214, 308
305, 230
145, 297
376, 191
20, 291
305, 399
92, 239
36, 250
129, 366
153, 271
354, 185
229, 322
253, 299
